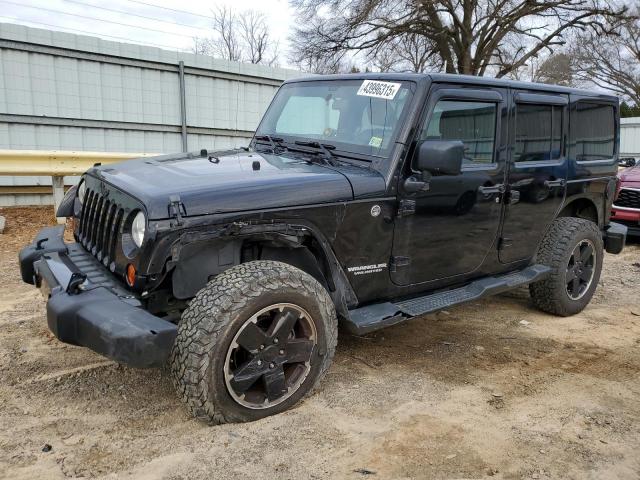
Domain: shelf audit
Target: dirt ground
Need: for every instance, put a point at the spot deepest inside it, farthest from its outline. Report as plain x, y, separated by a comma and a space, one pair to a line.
492, 389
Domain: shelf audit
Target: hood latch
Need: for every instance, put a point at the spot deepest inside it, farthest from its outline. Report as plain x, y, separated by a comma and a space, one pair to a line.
176, 208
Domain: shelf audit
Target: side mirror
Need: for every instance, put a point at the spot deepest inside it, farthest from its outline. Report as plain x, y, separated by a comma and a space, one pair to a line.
442, 157
626, 162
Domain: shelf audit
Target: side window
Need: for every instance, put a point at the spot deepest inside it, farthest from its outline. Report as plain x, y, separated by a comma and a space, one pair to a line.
538, 132
593, 131
472, 122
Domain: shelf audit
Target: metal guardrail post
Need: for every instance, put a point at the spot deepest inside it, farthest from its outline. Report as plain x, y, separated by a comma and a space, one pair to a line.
183, 107
57, 182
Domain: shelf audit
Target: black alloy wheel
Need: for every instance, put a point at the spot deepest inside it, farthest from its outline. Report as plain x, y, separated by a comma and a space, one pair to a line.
573, 249
253, 342
580, 269
270, 356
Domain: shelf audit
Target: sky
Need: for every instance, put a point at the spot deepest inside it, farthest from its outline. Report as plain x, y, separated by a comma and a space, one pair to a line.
169, 24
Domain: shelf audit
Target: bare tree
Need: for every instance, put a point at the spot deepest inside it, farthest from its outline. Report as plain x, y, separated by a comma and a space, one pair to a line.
476, 37
317, 62
239, 36
201, 46
226, 41
612, 63
556, 69
256, 38
410, 53
386, 60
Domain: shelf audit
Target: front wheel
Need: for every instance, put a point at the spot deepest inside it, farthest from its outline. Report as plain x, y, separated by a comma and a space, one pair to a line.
253, 342
573, 249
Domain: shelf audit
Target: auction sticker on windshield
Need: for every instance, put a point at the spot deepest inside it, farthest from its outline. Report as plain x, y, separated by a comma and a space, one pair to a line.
377, 89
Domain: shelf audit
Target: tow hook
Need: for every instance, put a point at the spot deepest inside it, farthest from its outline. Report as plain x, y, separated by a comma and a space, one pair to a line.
75, 283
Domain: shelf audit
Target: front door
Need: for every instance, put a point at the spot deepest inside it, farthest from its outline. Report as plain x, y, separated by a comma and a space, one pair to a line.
537, 172
448, 229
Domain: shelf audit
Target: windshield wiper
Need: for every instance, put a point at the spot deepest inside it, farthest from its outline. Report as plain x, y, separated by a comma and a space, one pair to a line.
324, 147
274, 141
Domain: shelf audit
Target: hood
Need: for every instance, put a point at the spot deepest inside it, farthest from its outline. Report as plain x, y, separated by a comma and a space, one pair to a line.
237, 181
630, 175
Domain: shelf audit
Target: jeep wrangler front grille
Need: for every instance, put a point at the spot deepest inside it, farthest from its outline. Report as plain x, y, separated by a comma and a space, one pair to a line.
628, 198
100, 222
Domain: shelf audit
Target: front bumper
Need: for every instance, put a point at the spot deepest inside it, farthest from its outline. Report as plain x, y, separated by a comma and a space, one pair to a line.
628, 217
86, 306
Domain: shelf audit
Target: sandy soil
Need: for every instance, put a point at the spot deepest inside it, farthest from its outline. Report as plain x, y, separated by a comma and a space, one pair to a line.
493, 389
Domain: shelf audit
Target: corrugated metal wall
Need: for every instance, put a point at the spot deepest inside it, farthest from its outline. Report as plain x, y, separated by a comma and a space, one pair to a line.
60, 91
630, 137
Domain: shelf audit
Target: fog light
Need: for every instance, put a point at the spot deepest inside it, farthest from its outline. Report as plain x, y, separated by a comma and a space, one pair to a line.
131, 275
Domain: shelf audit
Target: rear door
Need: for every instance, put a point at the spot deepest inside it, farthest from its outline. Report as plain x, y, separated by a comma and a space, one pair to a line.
537, 171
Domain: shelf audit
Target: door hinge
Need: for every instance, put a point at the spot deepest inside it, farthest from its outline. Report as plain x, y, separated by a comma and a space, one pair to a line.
406, 208
176, 208
396, 262
504, 242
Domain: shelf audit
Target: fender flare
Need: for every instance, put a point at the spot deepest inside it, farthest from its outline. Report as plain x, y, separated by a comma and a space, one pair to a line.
191, 249
573, 200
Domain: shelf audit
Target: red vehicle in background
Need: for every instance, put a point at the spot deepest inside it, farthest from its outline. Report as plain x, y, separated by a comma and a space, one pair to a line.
626, 207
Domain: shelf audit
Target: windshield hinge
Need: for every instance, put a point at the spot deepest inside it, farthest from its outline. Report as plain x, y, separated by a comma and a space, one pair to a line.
407, 207
176, 208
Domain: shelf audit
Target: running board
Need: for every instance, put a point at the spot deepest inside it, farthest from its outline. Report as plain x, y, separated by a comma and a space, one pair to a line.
374, 317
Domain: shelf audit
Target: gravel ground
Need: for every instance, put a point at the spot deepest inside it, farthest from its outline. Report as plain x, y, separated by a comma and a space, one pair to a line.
493, 389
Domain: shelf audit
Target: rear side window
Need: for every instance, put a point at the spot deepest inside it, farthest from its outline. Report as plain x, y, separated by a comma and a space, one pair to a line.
538, 133
593, 131
474, 123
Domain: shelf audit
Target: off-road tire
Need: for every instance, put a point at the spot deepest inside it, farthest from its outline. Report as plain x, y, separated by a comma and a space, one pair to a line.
550, 295
218, 311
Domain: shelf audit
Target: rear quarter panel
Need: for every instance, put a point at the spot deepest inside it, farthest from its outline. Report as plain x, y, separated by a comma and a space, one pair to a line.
592, 179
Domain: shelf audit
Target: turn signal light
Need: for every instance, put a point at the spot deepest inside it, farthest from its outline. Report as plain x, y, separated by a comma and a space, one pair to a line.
131, 275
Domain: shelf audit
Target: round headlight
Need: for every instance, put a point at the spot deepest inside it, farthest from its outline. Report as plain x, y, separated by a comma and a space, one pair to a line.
137, 228
82, 191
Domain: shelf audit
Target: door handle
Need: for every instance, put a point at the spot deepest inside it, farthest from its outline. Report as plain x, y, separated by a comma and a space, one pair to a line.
554, 183
500, 188
513, 197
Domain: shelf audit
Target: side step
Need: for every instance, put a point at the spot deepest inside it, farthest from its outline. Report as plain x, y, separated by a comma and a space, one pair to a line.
373, 317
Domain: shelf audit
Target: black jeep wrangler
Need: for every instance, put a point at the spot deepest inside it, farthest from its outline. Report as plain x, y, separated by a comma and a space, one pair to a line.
362, 200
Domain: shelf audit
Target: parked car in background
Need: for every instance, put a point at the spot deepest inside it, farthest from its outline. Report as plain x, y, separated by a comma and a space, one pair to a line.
626, 206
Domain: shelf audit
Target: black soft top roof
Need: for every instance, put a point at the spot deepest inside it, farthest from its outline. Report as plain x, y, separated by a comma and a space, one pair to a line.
460, 79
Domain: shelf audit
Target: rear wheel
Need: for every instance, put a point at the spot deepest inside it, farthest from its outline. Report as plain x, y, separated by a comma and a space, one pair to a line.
573, 249
253, 342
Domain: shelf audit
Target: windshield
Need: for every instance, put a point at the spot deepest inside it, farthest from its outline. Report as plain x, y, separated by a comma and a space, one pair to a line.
357, 116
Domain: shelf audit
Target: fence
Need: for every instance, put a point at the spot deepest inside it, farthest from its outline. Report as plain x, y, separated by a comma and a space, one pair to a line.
630, 137
60, 91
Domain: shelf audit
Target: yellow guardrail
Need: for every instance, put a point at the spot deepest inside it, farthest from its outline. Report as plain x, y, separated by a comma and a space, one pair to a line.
57, 163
